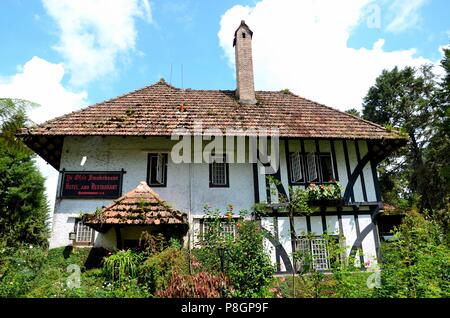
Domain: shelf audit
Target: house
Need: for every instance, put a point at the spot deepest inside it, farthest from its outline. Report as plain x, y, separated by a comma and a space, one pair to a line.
214, 147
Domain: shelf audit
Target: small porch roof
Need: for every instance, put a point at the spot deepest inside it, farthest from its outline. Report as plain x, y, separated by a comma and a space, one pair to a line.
140, 206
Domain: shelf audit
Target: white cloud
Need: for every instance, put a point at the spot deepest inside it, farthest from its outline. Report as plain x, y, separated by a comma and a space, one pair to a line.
93, 34
39, 81
406, 14
302, 45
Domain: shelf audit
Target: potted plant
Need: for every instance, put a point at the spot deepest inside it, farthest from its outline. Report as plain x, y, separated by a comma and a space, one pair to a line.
325, 194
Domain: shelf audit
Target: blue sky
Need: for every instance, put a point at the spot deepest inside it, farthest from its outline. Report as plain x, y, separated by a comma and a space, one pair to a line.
184, 33
66, 54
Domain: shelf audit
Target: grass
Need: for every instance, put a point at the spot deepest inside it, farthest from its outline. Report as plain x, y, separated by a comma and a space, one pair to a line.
51, 279
44, 274
352, 285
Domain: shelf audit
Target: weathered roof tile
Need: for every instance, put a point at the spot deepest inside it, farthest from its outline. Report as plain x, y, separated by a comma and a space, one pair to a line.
155, 111
134, 208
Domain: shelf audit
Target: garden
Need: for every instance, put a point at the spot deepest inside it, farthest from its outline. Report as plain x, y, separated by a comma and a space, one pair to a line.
227, 266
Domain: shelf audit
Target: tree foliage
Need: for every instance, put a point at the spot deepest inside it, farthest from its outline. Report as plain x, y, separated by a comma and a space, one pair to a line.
353, 112
23, 205
245, 261
415, 101
417, 263
437, 154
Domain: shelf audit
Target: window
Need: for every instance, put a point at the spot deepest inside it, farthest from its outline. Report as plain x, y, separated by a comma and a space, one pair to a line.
157, 170
296, 167
313, 251
84, 235
310, 167
218, 171
326, 167
319, 252
226, 227
303, 247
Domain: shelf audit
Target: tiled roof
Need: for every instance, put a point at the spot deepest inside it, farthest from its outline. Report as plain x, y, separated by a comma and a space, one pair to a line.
141, 206
155, 111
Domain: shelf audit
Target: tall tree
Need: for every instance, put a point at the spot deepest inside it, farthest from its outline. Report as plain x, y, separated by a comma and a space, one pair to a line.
13, 117
354, 112
404, 98
23, 204
437, 155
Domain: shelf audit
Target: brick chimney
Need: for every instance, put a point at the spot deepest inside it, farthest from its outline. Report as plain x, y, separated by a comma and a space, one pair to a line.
242, 43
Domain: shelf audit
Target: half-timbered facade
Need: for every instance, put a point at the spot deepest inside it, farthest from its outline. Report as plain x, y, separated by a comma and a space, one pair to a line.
107, 149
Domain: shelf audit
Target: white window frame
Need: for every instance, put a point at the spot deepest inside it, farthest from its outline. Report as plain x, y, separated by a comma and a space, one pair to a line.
84, 235
311, 159
320, 255
227, 227
325, 154
296, 162
311, 167
317, 249
161, 169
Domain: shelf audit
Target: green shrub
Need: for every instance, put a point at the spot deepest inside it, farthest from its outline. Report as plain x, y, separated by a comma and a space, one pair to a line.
206, 252
312, 285
18, 268
51, 280
352, 284
247, 264
23, 203
150, 243
245, 260
127, 288
156, 271
417, 264
200, 285
122, 265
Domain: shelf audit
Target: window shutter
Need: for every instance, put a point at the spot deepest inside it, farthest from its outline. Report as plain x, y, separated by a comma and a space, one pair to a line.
296, 167
160, 169
312, 167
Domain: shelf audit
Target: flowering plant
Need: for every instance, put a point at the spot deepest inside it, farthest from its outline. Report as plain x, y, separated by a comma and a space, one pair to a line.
332, 191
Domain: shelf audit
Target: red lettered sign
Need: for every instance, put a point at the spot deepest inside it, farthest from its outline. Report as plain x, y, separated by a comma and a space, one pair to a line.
104, 185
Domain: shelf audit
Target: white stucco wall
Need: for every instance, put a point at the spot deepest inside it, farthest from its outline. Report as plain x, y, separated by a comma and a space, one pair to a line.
64, 223
268, 224
332, 222
325, 146
187, 184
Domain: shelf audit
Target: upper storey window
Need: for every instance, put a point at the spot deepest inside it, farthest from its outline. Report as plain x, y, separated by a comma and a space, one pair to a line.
310, 167
218, 171
157, 170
